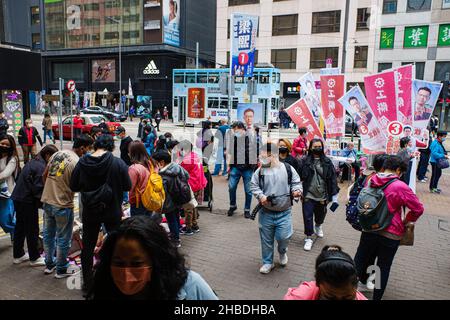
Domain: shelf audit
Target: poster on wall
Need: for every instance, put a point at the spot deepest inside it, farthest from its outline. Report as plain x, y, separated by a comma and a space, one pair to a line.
196, 103
104, 70
171, 20
12, 107
143, 103
250, 114
243, 44
332, 87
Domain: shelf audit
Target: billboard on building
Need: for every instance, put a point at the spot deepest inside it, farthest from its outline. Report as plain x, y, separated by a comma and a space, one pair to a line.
104, 70
171, 21
12, 107
196, 103
243, 44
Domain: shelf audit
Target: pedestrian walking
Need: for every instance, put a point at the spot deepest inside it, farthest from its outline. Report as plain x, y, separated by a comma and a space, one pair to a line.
125, 141
99, 177
158, 118
285, 149
27, 139
424, 161
142, 125
221, 148
319, 187
77, 125
166, 114
27, 201
47, 128
438, 154
300, 146
132, 113
149, 139
274, 185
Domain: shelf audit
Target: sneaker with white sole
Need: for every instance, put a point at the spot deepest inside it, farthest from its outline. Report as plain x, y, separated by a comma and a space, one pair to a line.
308, 244
283, 259
50, 270
70, 271
22, 259
370, 282
318, 231
265, 269
39, 262
363, 287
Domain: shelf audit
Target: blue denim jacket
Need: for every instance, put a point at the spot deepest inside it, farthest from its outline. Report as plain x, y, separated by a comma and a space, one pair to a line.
196, 288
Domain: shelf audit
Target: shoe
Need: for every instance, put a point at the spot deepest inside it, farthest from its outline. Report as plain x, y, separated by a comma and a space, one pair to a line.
437, 191
308, 244
39, 262
423, 181
283, 259
24, 258
247, 214
265, 269
70, 271
196, 229
370, 282
177, 243
231, 211
318, 231
362, 287
187, 232
49, 270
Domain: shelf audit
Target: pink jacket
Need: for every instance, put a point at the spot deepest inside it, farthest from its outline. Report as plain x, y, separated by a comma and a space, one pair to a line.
398, 195
310, 291
298, 146
139, 177
192, 164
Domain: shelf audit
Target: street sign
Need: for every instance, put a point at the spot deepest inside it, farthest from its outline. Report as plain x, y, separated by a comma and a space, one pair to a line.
71, 85
49, 97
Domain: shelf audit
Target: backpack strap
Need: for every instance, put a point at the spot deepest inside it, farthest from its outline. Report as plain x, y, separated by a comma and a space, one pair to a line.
289, 173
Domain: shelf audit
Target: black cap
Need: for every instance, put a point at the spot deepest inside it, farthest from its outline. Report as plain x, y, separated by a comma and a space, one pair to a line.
119, 130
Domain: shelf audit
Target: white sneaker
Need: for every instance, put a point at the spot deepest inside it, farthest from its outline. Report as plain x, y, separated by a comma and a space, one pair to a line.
423, 181
283, 259
71, 270
318, 231
24, 258
308, 244
39, 262
49, 270
265, 269
370, 282
362, 287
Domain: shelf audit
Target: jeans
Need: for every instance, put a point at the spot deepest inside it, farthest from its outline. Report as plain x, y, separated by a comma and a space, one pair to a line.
173, 220
27, 226
7, 220
221, 159
58, 226
235, 176
371, 246
423, 166
125, 197
141, 211
274, 226
313, 209
435, 175
48, 133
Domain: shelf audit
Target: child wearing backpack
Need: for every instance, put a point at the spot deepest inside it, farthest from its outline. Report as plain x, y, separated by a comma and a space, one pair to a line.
383, 242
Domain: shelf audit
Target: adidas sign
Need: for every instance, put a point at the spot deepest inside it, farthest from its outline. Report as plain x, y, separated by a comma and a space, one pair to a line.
151, 68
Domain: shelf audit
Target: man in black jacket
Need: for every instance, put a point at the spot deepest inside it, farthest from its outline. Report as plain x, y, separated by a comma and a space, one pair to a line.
27, 139
99, 177
3, 123
125, 141
319, 188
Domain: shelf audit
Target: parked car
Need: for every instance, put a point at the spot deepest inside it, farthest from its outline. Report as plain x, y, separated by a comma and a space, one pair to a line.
89, 121
111, 116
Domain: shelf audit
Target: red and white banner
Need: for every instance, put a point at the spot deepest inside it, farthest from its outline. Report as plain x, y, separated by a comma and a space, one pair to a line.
301, 115
333, 112
382, 97
403, 80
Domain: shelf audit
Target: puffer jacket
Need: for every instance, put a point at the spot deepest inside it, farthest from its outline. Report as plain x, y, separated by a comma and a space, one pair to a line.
169, 175
192, 164
299, 145
310, 291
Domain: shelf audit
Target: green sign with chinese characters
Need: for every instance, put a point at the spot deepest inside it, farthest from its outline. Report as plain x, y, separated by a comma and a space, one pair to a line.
416, 37
387, 37
444, 35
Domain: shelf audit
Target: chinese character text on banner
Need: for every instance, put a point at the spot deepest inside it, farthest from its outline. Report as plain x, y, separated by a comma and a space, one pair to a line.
301, 115
243, 44
333, 113
403, 80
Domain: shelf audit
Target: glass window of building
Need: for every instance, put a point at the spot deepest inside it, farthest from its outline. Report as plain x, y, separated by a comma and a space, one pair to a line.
241, 2
441, 69
35, 16
420, 69
284, 58
285, 25
384, 66
320, 55
363, 22
389, 6
361, 56
327, 21
418, 5
36, 41
68, 70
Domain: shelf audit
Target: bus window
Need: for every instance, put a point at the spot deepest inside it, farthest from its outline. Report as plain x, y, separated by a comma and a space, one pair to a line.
179, 78
202, 78
235, 103
223, 103
213, 103
190, 77
213, 78
278, 78
264, 77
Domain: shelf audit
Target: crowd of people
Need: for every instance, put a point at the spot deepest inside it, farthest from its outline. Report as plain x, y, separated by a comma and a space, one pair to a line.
163, 181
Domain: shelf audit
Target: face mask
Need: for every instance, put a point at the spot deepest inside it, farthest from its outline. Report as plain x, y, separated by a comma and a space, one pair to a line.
443, 139
5, 149
131, 281
318, 150
283, 150
238, 134
410, 149
265, 162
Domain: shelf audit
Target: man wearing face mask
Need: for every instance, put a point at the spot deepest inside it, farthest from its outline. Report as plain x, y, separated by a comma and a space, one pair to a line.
319, 188
27, 139
275, 184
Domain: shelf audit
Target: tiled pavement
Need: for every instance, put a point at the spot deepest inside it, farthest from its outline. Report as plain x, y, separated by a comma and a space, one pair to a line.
227, 254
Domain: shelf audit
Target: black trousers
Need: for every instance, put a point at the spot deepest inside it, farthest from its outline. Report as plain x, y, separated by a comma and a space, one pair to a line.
313, 212
27, 226
90, 236
435, 175
76, 132
371, 246
157, 124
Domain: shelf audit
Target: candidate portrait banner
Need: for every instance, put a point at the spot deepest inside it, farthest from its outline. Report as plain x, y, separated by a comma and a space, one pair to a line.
301, 115
333, 112
382, 97
311, 95
403, 81
373, 138
243, 44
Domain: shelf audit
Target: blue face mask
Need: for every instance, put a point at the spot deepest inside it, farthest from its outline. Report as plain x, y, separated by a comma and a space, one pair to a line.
443, 139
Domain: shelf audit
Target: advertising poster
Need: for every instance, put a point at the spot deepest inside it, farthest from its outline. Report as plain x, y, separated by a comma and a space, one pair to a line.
332, 87
311, 95
301, 115
86, 98
104, 70
382, 98
403, 81
92, 99
243, 44
373, 139
171, 21
143, 103
250, 114
12, 107
196, 103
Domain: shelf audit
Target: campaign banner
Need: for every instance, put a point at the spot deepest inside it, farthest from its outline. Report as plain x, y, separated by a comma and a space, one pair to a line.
373, 139
243, 44
382, 97
250, 114
311, 95
403, 81
171, 21
425, 95
301, 115
332, 87
196, 103
13, 107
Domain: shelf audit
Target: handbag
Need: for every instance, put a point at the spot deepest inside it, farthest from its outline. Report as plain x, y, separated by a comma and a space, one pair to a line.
443, 163
408, 237
192, 204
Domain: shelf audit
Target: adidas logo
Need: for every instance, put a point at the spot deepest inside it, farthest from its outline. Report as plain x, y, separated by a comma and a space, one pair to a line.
151, 68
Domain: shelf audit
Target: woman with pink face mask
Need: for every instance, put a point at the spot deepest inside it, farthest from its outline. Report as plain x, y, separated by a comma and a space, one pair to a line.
138, 262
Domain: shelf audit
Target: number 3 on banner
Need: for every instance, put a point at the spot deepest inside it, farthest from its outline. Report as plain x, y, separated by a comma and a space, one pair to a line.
395, 128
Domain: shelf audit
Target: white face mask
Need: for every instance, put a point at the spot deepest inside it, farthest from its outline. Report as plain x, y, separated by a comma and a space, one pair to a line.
265, 162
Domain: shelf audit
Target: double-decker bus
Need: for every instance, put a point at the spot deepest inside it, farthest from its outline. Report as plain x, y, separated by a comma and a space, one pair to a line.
215, 104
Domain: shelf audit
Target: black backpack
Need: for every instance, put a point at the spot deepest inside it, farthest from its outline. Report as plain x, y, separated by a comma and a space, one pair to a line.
98, 199
182, 190
351, 211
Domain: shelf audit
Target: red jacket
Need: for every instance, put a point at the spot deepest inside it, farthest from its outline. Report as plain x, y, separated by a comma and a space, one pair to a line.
299, 145
77, 122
